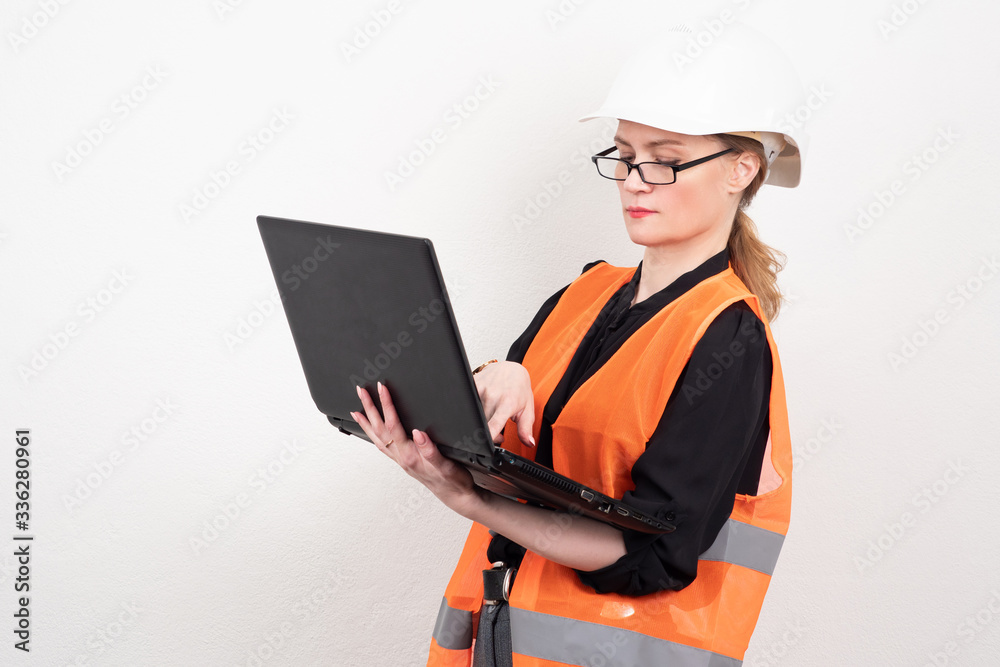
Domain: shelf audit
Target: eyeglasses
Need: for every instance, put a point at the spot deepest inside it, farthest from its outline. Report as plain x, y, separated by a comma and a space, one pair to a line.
653, 173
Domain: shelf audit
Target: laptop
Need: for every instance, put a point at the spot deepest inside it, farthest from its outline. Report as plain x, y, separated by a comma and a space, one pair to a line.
365, 306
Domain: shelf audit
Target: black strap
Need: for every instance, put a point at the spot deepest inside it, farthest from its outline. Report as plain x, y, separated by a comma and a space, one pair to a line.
493, 647
493, 643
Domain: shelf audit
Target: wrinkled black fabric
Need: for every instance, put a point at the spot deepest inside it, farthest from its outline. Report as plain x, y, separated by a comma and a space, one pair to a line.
708, 445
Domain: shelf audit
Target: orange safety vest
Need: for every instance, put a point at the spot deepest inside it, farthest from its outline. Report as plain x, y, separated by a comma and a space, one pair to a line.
603, 428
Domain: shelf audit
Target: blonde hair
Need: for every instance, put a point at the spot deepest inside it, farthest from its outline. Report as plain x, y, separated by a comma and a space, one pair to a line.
756, 263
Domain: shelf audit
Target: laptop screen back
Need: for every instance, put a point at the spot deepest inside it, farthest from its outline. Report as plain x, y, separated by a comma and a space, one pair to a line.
366, 306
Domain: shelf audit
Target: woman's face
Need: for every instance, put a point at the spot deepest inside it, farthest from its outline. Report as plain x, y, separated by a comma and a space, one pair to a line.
697, 208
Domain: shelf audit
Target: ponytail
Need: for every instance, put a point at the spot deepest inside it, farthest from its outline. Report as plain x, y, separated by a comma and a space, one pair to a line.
754, 262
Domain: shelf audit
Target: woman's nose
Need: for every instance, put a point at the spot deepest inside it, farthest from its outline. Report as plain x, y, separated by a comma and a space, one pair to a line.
633, 183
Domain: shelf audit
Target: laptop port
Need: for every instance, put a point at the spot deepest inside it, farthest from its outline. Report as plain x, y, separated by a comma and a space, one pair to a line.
622, 511
587, 495
604, 507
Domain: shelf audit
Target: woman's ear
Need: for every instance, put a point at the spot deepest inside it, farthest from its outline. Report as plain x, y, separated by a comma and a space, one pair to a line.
743, 171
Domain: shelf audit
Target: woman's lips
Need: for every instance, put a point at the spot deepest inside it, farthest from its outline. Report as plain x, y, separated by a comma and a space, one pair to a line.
638, 211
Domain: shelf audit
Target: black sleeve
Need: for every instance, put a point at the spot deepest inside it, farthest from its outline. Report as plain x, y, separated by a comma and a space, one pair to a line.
520, 346
694, 463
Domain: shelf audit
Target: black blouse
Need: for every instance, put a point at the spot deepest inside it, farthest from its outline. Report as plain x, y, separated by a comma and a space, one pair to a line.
709, 443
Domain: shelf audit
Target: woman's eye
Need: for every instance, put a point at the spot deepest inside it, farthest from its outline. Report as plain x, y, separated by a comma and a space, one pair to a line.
631, 158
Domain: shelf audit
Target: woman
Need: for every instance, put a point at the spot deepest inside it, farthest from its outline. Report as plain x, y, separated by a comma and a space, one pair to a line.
659, 384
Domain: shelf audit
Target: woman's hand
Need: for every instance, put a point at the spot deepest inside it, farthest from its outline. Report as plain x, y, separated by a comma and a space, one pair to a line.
418, 456
505, 391
569, 539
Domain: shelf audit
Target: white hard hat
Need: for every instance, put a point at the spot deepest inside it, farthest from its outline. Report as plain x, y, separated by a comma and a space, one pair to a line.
715, 79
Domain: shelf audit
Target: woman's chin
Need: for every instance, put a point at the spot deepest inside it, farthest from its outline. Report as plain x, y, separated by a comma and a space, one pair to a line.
652, 236
644, 227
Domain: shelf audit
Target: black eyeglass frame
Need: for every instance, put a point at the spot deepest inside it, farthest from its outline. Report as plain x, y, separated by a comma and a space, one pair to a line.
674, 167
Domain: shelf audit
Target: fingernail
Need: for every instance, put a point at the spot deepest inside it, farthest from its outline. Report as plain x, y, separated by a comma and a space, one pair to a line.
358, 387
379, 387
533, 441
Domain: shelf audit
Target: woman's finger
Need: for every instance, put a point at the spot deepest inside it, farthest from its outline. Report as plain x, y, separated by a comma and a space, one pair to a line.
498, 421
425, 446
364, 424
393, 427
382, 434
496, 426
429, 453
525, 420
367, 428
388, 409
447, 480
370, 410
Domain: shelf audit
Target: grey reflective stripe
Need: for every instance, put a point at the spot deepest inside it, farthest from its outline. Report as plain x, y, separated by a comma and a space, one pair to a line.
453, 628
586, 644
575, 642
742, 544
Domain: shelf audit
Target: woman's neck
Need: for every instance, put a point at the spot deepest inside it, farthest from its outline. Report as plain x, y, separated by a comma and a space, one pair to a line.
662, 265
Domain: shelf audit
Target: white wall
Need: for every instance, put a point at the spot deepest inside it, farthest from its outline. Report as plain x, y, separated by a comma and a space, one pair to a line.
357, 569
